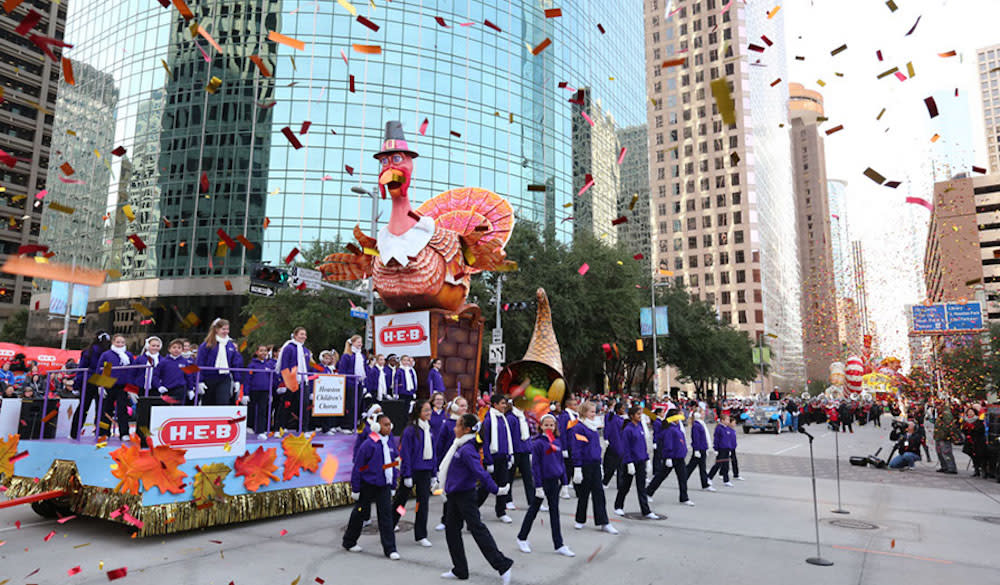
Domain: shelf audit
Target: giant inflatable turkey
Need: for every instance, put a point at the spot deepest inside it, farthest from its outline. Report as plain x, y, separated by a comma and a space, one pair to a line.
424, 259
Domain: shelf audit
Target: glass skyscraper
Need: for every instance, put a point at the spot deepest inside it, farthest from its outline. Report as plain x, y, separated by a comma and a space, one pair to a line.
288, 132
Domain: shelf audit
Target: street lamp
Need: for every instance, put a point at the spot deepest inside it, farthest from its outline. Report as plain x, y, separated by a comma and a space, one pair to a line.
369, 334
656, 376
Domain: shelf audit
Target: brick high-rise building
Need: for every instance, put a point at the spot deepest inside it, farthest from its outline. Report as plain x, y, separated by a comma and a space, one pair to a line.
820, 338
721, 194
29, 81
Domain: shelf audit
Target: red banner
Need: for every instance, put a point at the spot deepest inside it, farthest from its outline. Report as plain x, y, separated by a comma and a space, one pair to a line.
47, 358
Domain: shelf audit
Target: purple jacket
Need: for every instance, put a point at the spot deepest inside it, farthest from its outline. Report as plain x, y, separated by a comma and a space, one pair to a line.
399, 383
465, 470
657, 427
123, 376
371, 382
361, 436
725, 437
699, 437
346, 367
89, 358
435, 381
206, 359
613, 432
263, 377
289, 359
633, 443
584, 452
674, 445
437, 419
485, 432
515, 434
412, 451
546, 459
562, 421
368, 464
139, 375
168, 373
445, 437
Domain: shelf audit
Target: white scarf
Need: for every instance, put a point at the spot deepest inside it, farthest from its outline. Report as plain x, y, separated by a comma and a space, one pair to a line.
221, 358
646, 434
381, 383
122, 354
386, 458
704, 428
590, 423
153, 358
300, 355
446, 462
406, 376
573, 415
496, 418
426, 428
522, 422
359, 363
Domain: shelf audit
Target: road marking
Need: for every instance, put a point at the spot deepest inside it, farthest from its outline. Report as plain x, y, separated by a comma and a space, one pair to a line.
23, 526
894, 554
788, 449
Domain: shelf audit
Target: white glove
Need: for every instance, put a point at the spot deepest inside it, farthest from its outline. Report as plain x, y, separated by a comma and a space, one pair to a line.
236, 387
539, 493
281, 390
577, 475
649, 468
408, 482
696, 455
435, 484
245, 400
503, 490
133, 397
630, 468
669, 462
392, 493
162, 389
489, 469
202, 387
355, 496
510, 463
565, 454
190, 394
102, 391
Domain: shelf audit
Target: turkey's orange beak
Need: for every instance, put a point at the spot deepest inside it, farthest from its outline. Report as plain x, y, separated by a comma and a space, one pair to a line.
395, 176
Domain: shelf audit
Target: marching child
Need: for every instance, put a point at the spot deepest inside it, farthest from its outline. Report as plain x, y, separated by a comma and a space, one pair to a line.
262, 380
521, 458
145, 378
418, 467
673, 450
634, 460
723, 441
567, 419
548, 469
496, 441
699, 448
372, 478
460, 470
613, 422
117, 399
446, 437
586, 449
174, 383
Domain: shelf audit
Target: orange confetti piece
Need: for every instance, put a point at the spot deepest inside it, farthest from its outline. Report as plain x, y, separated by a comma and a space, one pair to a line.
260, 65
367, 49
183, 8
67, 68
541, 46
277, 37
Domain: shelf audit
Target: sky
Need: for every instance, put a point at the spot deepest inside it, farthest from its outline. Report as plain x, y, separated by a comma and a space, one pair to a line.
898, 145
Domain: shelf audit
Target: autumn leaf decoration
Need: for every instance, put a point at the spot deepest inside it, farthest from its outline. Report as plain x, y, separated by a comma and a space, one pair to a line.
155, 467
8, 449
257, 468
208, 484
299, 454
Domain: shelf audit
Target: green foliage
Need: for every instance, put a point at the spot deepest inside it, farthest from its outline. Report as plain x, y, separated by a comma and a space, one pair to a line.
15, 329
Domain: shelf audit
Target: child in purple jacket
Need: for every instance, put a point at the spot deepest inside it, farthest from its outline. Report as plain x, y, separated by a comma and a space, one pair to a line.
585, 444
548, 469
419, 465
634, 458
673, 450
724, 441
372, 478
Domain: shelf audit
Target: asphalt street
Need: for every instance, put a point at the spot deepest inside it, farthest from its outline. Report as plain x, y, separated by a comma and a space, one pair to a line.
909, 527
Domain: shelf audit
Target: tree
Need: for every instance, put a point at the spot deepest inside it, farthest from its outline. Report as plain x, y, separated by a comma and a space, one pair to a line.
963, 369
15, 329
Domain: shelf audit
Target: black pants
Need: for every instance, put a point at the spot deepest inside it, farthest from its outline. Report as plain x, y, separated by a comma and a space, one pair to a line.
677, 464
362, 511
591, 486
847, 426
89, 398
626, 485
462, 508
698, 460
219, 391
288, 410
721, 464
501, 476
877, 421
551, 487
257, 410
422, 487
178, 394
612, 461
353, 391
735, 462
522, 463
117, 402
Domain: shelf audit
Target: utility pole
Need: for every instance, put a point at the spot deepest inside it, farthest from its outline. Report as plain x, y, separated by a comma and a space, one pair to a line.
69, 306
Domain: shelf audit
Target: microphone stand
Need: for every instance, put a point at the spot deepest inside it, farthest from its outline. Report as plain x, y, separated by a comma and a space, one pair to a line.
840, 509
818, 559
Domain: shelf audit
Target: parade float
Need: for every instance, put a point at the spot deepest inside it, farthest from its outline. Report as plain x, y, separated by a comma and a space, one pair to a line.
192, 467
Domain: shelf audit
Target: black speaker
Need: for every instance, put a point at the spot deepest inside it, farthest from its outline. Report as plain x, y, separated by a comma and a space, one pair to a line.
396, 410
142, 414
31, 423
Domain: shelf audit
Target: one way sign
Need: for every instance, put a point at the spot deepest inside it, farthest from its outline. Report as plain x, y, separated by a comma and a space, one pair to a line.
264, 291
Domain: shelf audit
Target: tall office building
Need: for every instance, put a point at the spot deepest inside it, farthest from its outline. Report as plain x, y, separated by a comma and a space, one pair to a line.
988, 61
724, 206
29, 84
633, 198
596, 174
820, 335
282, 143
840, 236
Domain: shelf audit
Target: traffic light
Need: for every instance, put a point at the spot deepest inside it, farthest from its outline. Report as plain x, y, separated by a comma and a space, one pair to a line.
269, 275
517, 306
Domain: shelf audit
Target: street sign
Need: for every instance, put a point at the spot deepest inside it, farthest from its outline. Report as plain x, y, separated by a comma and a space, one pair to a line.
498, 335
264, 291
313, 279
498, 353
359, 313
945, 318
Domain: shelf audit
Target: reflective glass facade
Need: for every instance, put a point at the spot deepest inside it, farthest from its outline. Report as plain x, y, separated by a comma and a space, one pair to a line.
197, 161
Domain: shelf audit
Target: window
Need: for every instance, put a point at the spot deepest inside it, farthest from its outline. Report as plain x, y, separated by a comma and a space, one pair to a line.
709, 279
736, 197
734, 179
723, 278
706, 221
663, 245
692, 242
692, 262
723, 238
706, 241
720, 181
693, 280
726, 297
706, 202
742, 316
741, 276
678, 244
727, 317
758, 316
756, 295
738, 237
690, 204
756, 274
679, 280
710, 298
723, 257
677, 206
661, 209
677, 225
734, 141
740, 259
722, 219
737, 217
741, 296
692, 223
720, 200
678, 263
704, 184
708, 260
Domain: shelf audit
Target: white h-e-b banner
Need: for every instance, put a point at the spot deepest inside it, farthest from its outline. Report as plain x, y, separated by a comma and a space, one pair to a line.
205, 431
404, 333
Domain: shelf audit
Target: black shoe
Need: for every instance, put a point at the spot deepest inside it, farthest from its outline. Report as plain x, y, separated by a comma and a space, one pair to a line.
941, 470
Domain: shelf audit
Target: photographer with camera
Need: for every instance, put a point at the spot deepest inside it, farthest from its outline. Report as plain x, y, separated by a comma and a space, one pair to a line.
907, 445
